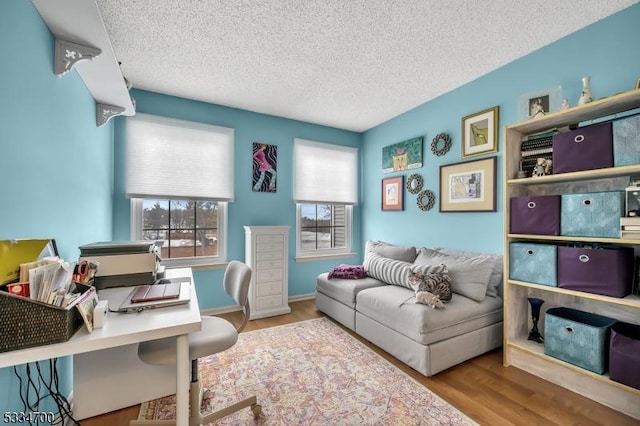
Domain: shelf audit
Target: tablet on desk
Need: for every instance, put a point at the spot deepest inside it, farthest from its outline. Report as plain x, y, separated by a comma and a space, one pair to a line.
169, 292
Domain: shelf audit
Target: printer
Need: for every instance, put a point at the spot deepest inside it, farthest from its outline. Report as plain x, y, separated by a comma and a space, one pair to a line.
123, 263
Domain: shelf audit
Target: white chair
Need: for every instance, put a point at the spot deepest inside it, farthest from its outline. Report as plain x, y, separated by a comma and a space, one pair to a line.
216, 335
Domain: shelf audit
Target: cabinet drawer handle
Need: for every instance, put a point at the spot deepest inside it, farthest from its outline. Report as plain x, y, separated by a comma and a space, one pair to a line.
531, 204
529, 252
583, 258
578, 138
568, 329
586, 202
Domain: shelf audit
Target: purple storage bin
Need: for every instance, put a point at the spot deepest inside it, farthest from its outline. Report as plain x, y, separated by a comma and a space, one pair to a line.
585, 148
624, 354
538, 215
605, 271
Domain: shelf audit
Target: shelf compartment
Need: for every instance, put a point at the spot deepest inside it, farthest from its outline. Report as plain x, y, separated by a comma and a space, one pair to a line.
562, 238
614, 104
631, 300
537, 350
609, 172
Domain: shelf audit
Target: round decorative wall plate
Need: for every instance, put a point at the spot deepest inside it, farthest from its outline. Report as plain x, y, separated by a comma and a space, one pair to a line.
426, 200
441, 144
414, 183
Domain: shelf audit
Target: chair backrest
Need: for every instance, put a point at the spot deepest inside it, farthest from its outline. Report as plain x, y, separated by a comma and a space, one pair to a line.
236, 281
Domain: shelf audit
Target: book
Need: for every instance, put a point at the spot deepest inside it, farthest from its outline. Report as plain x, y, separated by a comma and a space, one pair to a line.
85, 304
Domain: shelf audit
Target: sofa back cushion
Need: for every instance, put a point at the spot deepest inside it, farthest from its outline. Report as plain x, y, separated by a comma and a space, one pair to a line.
390, 251
494, 289
470, 276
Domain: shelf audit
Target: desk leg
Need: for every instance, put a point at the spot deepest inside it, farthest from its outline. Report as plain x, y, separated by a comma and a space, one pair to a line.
183, 364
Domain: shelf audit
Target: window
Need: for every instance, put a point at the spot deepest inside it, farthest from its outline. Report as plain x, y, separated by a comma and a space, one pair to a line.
325, 189
179, 176
324, 227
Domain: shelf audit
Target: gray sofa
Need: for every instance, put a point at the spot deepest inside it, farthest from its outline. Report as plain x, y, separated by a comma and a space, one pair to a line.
427, 339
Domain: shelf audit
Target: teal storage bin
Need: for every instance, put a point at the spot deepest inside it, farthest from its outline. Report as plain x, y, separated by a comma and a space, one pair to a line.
593, 214
534, 263
577, 337
626, 141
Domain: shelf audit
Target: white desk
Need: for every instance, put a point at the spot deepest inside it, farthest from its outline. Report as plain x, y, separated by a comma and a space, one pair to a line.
127, 329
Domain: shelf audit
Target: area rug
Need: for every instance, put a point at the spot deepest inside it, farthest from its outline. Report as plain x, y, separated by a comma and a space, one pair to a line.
312, 373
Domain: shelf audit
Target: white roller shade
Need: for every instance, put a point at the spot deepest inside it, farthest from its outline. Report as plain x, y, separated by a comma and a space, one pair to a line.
176, 159
325, 173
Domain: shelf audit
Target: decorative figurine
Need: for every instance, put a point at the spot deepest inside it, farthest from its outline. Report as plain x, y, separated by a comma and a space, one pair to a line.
534, 334
565, 104
542, 167
585, 96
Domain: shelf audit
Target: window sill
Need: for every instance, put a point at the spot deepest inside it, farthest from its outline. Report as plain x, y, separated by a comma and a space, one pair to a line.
319, 257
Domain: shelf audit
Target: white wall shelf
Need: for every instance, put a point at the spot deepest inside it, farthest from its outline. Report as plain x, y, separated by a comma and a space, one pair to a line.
80, 22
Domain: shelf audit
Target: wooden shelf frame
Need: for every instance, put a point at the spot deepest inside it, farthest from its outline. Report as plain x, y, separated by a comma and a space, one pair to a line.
518, 351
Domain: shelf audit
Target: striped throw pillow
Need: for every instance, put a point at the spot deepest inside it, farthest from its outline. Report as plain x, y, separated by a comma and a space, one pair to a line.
390, 271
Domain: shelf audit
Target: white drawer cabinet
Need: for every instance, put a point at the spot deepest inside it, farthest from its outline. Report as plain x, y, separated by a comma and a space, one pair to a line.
266, 252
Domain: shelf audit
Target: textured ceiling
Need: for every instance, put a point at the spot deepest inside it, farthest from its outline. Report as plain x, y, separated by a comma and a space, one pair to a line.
351, 64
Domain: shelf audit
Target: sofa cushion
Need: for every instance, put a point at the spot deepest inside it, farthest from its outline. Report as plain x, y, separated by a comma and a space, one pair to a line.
395, 307
495, 283
344, 290
470, 275
390, 251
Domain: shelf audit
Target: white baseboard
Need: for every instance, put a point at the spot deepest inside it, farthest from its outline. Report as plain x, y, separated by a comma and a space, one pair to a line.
227, 309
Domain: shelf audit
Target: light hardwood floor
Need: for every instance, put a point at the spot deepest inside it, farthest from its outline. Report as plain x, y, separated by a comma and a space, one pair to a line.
481, 388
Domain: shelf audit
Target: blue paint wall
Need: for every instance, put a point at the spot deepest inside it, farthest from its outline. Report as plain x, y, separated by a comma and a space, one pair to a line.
607, 51
248, 208
56, 164
59, 178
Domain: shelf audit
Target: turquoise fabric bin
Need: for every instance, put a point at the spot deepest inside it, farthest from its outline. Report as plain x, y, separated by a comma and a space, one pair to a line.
577, 337
593, 214
534, 263
626, 141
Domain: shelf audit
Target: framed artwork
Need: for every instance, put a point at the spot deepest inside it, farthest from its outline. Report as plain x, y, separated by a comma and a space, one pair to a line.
539, 103
468, 186
404, 155
265, 162
392, 193
480, 132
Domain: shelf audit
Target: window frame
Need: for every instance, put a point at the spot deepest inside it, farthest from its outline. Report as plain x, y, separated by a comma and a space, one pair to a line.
136, 224
324, 253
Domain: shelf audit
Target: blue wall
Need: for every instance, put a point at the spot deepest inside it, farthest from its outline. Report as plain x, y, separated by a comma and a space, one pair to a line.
59, 178
248, 208
607, 51
56, 164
